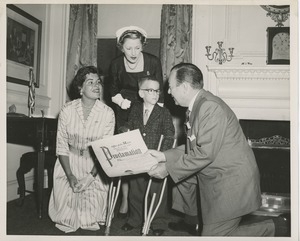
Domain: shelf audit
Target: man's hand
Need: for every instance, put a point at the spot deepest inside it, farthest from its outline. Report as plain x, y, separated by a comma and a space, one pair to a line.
159, 171
159, 156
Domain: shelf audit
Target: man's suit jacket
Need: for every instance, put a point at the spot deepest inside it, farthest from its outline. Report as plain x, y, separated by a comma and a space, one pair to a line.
159, 123
221, 159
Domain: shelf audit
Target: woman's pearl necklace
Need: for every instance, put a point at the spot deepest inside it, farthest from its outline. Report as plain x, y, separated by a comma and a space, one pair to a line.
134, 65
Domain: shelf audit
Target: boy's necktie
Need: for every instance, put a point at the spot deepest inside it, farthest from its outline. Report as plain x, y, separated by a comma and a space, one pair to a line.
146, 116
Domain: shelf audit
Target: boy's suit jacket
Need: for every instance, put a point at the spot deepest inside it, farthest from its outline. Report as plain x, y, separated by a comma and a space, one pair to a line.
159, 123
220, 158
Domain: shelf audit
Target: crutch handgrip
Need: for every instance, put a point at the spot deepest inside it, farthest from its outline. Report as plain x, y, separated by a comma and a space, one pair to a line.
160, 142
174, 143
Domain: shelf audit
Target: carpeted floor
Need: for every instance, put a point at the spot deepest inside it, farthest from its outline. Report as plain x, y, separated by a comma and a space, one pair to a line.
24, 221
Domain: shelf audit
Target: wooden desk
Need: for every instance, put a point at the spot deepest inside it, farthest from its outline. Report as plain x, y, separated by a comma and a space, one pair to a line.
34, 132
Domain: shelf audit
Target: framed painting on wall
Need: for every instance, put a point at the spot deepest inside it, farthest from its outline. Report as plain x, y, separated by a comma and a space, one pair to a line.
23, 49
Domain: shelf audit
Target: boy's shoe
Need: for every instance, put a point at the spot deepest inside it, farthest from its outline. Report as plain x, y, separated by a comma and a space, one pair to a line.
122, 215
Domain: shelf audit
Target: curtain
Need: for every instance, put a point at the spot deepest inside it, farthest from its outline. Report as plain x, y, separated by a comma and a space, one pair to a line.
176, 36
175, 48
82, 42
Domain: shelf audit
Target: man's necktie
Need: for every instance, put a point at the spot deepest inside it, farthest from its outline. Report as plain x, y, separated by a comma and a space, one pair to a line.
187, 119
146, 116
187, 124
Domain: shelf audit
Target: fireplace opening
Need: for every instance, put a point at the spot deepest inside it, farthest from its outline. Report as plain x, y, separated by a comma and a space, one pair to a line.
270, 142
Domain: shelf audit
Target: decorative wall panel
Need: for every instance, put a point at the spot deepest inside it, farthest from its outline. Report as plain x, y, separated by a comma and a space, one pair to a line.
253, 92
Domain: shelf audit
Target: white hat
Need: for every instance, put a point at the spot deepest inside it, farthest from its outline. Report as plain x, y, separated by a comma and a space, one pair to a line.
128, 28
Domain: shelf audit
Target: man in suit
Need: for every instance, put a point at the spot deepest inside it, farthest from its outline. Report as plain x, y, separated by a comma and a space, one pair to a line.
217, 155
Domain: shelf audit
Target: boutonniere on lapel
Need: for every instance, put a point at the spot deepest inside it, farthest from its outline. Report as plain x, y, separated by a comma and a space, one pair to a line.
192, 137
187, 119
188, 125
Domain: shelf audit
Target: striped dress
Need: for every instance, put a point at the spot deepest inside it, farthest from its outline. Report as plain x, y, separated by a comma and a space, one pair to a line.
85, 210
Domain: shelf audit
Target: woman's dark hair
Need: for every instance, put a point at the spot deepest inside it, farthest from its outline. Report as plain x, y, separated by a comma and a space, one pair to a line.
79, 79
132, 34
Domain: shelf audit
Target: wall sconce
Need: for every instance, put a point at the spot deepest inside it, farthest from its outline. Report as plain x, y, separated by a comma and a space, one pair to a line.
219, 55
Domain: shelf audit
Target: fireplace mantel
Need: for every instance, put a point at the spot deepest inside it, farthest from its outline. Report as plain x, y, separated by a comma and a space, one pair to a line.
253, 92
267, 72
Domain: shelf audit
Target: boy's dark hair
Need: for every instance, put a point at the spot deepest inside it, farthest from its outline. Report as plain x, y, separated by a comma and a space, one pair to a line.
146, 78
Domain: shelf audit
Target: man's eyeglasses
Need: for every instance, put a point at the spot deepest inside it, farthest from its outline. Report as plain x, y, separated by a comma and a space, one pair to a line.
152, 91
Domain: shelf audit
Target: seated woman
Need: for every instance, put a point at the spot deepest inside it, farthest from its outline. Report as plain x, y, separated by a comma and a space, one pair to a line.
79, 196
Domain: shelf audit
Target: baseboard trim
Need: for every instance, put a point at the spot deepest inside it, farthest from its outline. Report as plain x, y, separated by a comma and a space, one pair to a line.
12, 186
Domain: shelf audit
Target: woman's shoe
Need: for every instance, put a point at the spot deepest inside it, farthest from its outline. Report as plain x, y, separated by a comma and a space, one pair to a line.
127, 227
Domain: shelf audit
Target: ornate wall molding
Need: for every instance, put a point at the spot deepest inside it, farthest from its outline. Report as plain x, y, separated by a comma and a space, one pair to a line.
253, 92
232, 72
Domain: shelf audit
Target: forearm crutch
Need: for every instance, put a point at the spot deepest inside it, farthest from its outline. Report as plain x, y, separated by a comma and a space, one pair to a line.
146, 214
150, 215
112, 200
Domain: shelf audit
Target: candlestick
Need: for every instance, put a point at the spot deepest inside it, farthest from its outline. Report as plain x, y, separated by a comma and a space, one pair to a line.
219, 55
31, 93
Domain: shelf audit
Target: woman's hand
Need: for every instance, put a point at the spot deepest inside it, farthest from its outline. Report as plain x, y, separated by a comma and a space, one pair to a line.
125, 104
120, 101
85, 182
73, 182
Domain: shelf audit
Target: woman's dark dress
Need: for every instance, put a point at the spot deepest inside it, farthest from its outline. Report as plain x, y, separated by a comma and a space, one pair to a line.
126, 83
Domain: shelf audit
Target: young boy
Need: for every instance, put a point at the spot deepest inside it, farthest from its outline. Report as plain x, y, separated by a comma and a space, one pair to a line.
153, 121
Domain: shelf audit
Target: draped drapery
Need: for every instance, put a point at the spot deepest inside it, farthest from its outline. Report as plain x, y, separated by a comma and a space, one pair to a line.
176, 36
82, 42
175, 48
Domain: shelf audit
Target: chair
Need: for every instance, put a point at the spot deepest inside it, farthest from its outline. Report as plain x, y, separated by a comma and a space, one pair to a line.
27, 162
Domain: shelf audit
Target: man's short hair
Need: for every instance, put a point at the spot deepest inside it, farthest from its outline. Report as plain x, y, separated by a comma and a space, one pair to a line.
186, 72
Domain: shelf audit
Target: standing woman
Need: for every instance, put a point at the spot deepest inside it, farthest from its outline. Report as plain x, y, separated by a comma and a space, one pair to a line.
79, 196
125, 71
